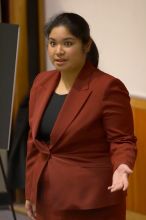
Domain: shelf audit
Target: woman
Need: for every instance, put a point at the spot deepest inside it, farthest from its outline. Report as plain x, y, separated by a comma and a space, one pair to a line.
81, 145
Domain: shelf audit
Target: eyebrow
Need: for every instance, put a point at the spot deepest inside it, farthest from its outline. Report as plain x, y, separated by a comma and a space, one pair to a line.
67, 38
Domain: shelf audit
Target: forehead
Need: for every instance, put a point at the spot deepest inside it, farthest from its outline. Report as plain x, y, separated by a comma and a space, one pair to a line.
61, 32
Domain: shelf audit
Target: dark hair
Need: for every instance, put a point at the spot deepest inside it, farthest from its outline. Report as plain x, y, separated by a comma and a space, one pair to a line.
78, 27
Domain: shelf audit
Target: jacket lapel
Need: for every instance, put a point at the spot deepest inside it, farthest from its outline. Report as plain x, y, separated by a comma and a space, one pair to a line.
73, 103
43, 95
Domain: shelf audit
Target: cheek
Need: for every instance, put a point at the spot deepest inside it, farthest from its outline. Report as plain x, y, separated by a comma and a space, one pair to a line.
50, 53
79, 55
77, 52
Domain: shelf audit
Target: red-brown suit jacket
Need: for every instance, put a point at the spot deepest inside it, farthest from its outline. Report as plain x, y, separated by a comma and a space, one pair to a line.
92, 136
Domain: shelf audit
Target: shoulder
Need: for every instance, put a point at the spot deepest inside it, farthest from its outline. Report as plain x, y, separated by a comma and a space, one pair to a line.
101, 76
106, 80
43, 77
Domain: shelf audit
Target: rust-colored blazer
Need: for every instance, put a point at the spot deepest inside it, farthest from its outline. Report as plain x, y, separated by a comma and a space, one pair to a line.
92, 136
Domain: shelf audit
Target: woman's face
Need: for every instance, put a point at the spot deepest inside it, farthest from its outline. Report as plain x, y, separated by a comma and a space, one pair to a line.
66, 52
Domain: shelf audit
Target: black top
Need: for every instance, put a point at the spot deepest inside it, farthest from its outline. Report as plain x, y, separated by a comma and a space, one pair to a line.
49, 116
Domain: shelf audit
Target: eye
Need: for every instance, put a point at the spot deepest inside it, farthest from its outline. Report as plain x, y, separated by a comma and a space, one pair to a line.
68, 43
52, 43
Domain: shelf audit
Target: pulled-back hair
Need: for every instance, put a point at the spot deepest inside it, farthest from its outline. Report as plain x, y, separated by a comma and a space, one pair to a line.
78, 27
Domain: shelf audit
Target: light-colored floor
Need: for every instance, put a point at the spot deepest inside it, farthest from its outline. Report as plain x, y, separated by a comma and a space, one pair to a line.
135, 216
7, 215
130, 215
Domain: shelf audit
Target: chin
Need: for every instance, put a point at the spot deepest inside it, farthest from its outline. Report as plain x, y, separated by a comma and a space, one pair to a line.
62, 68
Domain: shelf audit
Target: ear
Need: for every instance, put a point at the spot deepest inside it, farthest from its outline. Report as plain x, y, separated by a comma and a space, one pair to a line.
88, 46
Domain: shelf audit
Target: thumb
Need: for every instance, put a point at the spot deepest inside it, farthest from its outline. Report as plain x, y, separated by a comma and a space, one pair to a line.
128, 170
125, 168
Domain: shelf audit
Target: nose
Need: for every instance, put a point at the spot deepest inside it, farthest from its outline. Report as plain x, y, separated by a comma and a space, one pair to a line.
59, 50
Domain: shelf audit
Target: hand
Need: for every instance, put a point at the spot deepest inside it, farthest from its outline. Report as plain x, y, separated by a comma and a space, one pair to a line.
120, 178
30, 209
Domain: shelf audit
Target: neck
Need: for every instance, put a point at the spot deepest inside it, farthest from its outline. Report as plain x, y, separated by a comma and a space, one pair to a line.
67, 79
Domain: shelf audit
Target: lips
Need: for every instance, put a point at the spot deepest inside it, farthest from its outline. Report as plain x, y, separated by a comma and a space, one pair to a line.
60, 61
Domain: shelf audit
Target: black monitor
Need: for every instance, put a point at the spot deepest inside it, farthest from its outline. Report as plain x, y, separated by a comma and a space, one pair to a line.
8, 58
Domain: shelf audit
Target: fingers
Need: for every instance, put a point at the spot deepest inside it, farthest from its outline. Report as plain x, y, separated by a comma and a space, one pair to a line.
121, 184
115, 187
30, 209
125, 182
120, 178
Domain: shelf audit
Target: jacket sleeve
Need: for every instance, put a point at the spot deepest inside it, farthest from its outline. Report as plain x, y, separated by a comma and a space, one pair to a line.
32, 151
118, 124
